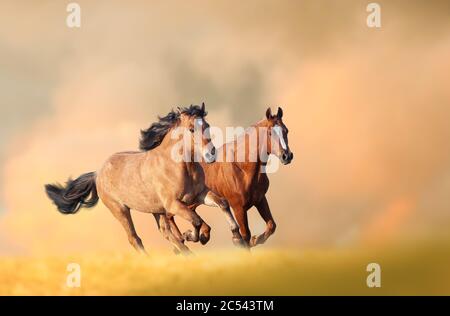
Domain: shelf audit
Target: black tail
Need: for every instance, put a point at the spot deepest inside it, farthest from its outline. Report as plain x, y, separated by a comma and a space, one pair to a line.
75, 194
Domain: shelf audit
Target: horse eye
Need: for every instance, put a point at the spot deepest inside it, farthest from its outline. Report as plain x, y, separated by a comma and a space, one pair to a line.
191, 130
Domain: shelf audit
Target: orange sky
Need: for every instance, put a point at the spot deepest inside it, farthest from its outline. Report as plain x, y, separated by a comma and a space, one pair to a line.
367, 111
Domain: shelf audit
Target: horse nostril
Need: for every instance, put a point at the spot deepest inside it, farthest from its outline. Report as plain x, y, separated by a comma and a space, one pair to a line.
284, 156
213, 151
291, 156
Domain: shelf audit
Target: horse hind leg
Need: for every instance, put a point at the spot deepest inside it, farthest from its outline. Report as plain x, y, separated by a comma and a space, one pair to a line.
123, 215
176, 239
242, 219
212, 199
174, 228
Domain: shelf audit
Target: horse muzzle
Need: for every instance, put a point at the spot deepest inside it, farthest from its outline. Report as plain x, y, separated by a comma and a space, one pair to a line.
287, 157
210, 156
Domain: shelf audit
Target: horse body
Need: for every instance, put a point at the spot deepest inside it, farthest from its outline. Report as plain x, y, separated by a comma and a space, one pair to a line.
145, 181
121, 179
244, 184
240, 183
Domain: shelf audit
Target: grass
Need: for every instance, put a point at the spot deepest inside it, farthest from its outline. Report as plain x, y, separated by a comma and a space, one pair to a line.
420, 270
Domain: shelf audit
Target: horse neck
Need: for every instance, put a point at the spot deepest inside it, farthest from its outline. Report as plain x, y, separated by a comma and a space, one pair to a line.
243, 143
166, 147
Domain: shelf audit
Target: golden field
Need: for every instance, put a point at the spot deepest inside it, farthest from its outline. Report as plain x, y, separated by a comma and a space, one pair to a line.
419, 270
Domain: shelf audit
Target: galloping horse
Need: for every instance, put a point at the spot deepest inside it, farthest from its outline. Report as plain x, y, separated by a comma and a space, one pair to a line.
244, 183
151, 181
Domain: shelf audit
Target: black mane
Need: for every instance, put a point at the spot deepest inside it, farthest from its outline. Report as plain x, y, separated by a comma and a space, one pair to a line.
154, 135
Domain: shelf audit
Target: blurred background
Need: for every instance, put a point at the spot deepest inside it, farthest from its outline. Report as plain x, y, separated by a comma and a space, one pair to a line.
367, 109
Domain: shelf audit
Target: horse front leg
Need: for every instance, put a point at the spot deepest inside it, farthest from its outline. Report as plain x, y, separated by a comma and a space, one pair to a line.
212, 199
123, 215
264, 210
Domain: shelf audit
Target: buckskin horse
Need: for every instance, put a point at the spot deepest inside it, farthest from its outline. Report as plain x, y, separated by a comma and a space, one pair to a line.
244, 183
151, 181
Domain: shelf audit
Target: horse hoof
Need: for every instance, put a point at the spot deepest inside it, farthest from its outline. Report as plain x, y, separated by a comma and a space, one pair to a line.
187, 253
253, 241
183, 252
239, 242
204, 239
176, 251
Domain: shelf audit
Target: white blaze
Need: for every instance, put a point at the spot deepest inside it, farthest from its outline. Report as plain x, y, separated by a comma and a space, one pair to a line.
199, 134
279, 132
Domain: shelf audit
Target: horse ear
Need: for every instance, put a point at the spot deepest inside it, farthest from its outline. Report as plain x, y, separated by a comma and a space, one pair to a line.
203, 107
268, 113
280, 113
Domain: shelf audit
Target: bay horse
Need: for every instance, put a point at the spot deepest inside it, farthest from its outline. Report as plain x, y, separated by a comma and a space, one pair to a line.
151, 181
244, 183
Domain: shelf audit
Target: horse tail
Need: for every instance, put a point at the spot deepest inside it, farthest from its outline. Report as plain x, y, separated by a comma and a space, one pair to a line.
81, 192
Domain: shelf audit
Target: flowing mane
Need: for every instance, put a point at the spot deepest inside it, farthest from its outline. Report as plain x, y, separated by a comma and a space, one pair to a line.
154, 135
